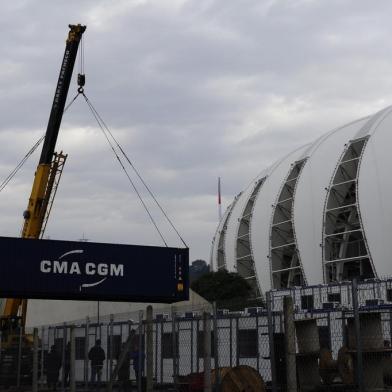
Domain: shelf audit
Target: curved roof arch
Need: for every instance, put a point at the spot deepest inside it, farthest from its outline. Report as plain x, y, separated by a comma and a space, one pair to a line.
311, 194
262, 216
375, 192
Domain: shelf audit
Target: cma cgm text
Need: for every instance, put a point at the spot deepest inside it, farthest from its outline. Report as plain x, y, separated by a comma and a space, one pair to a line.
74, 268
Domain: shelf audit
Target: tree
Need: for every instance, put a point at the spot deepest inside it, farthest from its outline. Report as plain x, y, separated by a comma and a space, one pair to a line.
222, 286
197, 269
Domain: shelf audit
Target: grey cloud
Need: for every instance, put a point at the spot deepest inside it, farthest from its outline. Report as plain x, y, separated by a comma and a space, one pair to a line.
193, 92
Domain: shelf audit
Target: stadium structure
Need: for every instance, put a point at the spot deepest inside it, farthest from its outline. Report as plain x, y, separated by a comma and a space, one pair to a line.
321, 214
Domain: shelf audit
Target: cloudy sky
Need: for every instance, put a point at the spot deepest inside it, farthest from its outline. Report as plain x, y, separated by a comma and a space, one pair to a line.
193, 90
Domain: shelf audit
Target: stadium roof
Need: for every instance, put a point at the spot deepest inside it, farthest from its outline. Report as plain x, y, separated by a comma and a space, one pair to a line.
318, 215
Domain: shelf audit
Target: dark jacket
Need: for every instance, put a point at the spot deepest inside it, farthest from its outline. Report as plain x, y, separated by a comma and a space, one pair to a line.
67, 363
96, 355
136, 358
124, 370
53, 366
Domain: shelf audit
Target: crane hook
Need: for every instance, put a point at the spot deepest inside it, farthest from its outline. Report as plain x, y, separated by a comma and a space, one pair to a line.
81, 83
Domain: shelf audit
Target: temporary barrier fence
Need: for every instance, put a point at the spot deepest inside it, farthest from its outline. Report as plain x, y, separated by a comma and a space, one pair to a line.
296, 342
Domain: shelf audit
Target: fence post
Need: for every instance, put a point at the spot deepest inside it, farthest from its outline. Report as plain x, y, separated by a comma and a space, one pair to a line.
216, 348
231, 340
86, 350
207, 351
271, 340
156, 350
359, 376
289, 329
192, 342
141, 358
237, 346
111, 346
41, 378
197, 351
19, 358
72, 383
35, 360
149, 349
63, 357
162, 323
174, 347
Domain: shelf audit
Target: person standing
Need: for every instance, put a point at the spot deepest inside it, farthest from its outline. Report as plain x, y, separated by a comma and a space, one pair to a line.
53, 366
67, 364
96, 356
138, 362
124, 370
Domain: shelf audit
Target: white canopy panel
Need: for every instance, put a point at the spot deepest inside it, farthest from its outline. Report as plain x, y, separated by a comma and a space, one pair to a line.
375, 194
232, 229
262, 215
311, 193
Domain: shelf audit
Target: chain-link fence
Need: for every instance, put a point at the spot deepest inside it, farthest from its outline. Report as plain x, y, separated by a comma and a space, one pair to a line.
320, 338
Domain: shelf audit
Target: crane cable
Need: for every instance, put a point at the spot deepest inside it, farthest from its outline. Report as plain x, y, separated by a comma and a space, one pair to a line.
102, 127
106, 131
96, 114
21, 163
12, 174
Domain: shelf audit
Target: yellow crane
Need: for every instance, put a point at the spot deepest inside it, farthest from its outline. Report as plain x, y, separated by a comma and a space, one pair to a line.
46, 177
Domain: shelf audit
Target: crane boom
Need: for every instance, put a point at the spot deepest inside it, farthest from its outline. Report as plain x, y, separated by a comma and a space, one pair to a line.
43, 181
60, 96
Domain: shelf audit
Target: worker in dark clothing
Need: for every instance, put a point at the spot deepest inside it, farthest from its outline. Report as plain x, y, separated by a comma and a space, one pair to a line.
53, 366
138, 362
124, 370
67, 363
96, 356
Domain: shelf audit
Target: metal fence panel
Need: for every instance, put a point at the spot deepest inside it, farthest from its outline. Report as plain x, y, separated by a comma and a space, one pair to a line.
342, 338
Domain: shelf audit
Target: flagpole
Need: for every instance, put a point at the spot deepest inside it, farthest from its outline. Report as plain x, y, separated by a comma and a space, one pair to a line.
219, 199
